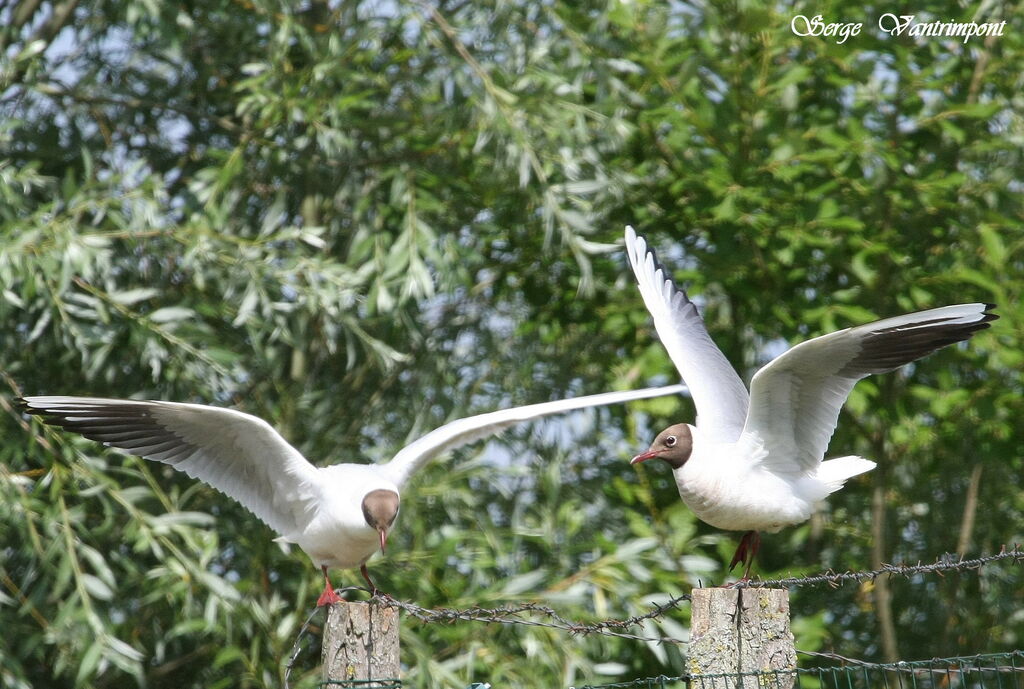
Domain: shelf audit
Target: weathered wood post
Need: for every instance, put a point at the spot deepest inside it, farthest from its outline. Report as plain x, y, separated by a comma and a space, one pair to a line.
361, 643
738, 631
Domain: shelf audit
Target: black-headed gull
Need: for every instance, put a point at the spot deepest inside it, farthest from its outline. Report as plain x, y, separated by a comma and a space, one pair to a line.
340, 515
754, 462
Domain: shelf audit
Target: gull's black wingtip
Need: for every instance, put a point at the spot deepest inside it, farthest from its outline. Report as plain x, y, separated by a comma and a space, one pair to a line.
25, 407
987, 316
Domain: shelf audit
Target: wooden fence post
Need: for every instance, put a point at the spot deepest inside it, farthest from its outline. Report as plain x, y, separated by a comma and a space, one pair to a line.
737, 631
360, 643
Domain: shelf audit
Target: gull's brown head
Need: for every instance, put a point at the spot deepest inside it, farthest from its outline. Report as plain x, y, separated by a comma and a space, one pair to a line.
673, 444
380, 507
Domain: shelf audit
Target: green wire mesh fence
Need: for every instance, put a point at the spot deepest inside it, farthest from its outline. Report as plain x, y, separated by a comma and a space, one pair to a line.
986, 671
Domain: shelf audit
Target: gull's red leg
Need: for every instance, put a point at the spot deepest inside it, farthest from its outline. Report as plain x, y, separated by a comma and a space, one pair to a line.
328, 597
755, 545
374, 591
749, 544
741, 552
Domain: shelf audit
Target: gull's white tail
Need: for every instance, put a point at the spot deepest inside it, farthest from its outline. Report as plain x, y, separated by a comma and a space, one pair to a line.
835, 472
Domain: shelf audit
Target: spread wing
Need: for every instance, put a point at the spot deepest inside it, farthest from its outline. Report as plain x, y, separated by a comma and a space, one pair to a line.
718, 393
463, 431
795, 399
238, 454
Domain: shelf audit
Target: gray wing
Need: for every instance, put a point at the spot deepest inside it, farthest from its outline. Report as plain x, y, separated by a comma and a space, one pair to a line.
238, 454
718, 393
463, 431
796, 398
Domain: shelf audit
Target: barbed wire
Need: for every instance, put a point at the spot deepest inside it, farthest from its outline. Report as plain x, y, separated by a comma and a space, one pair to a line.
945, 563
511, 614
539, 615
514, 614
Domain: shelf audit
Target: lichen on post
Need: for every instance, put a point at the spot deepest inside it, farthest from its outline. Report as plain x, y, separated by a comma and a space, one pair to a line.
740, 639
360, 643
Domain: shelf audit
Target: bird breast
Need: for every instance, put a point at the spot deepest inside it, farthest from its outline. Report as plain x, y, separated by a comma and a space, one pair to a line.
338, 535
339, 545
726, 486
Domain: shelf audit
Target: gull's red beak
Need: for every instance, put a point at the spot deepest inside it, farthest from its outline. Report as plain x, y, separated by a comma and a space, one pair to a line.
383, 538
644, 456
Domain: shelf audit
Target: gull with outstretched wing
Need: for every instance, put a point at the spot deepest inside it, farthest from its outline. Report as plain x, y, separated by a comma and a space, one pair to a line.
340, 515
754, 462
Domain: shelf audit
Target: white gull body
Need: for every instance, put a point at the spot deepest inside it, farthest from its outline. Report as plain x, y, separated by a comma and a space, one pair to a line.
731, 487
339, 515
755, 461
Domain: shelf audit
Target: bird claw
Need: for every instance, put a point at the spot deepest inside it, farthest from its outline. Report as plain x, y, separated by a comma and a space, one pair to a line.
386, 597
328, 597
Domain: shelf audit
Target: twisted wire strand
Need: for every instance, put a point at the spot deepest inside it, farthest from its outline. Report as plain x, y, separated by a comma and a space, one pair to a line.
511, 614
945, 563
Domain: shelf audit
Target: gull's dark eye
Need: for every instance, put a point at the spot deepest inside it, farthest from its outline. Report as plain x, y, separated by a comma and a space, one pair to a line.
670, 441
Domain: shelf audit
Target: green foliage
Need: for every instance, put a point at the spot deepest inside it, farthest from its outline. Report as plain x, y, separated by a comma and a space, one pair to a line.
359, 220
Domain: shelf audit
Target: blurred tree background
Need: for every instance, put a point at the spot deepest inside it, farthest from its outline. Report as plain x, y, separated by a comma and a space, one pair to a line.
361, 219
